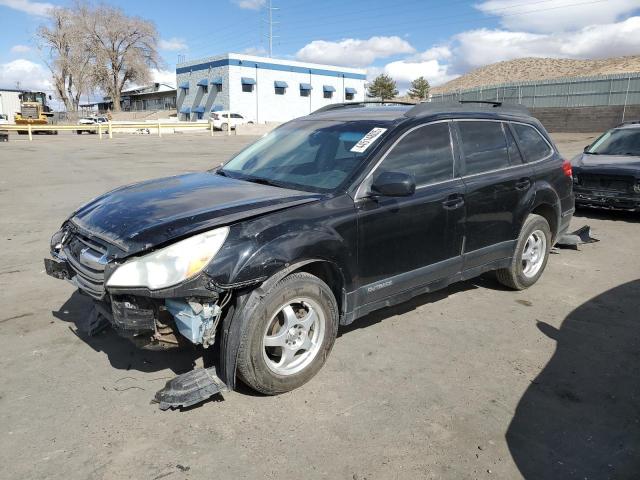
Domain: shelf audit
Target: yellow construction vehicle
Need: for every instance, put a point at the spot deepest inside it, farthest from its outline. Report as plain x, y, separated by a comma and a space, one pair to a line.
34, 111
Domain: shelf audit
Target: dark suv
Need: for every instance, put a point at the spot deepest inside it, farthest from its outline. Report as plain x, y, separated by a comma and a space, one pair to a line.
325, 219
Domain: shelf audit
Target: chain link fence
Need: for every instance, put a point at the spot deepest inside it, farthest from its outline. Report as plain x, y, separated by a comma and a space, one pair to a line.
606, 90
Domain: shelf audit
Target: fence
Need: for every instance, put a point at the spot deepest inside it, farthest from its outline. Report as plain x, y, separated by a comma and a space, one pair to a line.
109, 128
606, 90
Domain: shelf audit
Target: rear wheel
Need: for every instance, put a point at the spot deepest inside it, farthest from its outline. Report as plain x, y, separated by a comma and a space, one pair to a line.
531, 255
224, 127
79, 132
289, 336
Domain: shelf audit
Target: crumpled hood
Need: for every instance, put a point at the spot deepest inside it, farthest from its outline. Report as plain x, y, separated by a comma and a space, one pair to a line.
140, 216
608, 164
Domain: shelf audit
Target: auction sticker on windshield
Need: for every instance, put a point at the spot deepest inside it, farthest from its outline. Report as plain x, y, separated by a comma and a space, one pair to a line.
368, 140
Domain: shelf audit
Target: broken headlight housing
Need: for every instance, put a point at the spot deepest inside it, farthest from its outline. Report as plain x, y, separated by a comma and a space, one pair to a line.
170, 265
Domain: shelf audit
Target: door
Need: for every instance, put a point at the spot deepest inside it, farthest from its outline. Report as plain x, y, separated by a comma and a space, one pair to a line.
498, 190
407, 242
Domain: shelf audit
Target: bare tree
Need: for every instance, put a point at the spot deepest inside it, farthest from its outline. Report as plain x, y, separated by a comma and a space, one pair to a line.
124, 48
61, 42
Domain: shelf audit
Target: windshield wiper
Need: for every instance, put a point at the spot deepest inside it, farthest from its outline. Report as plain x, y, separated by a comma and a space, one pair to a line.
262, 181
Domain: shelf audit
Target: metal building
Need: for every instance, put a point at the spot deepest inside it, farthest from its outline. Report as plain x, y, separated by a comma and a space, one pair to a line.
9, 102
262, 89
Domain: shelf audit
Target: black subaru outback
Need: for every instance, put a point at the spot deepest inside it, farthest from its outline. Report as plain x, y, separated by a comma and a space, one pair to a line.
325, 219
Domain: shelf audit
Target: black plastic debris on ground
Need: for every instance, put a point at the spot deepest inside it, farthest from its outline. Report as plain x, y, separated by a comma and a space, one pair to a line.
190, 388
580, 236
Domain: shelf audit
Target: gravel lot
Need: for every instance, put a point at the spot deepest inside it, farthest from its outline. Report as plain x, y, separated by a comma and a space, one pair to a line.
470, 382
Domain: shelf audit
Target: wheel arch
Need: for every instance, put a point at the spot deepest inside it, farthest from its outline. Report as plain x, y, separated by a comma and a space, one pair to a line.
547, 205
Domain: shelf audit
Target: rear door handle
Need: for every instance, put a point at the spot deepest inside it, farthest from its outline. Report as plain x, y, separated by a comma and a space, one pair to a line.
523, 184
453, 201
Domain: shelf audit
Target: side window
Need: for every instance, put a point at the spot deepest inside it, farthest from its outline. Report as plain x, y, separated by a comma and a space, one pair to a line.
484, 146
425, 152
534, 147
514, 153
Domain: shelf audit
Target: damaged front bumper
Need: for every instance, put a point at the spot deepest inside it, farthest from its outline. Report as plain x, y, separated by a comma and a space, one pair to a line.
186, 314
607, 199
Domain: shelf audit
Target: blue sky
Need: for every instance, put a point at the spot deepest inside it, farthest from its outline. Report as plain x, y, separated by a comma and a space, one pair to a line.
407, 38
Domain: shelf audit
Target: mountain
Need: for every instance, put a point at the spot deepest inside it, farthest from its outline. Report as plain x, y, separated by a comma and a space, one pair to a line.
530, 68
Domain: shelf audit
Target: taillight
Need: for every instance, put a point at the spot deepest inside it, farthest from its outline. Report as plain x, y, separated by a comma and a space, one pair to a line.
566, 168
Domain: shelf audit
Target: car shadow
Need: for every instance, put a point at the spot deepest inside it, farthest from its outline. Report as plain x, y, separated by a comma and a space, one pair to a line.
121, 352
602, 214
580, 417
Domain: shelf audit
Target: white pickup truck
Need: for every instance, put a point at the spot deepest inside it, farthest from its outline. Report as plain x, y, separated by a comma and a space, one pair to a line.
4, 134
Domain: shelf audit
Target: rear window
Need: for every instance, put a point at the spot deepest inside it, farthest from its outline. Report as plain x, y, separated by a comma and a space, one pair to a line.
484, 146
534, 147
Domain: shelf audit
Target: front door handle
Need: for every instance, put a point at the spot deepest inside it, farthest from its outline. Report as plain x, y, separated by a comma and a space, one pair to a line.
453, 201
523, 184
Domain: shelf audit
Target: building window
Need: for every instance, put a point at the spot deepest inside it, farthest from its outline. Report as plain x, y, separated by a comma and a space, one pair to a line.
218, 87
328, 91
349, 93
247, 88
305, 93
280, 90
328, 94
247, 84
205, 89
348, 96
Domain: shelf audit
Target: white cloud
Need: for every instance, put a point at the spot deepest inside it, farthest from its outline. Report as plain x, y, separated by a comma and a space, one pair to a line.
476, 48
163, 76
173, 44
438, 52
250, 4
20, 49
257, 51
31, 75
556, 15
353, 52
404, 72
27, 6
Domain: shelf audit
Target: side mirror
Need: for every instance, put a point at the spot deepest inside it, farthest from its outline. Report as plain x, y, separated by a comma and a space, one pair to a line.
393, 184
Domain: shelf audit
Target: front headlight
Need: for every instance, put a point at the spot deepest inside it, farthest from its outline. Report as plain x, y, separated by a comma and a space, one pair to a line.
170, 265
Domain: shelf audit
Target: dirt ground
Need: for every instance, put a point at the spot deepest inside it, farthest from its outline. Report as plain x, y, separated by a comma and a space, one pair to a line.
471, 382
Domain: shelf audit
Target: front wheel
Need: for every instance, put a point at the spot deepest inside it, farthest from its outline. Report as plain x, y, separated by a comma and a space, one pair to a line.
531, 255
289, 335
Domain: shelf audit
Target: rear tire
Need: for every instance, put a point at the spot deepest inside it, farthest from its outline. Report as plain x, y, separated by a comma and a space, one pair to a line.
530, 256
289, 336
224, 127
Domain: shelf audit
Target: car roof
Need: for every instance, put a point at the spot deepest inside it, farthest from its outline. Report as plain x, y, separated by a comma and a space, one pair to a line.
630, 125
395, 113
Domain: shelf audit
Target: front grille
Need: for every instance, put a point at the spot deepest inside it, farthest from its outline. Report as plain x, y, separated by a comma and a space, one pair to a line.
29, 111
615, 183
87, 258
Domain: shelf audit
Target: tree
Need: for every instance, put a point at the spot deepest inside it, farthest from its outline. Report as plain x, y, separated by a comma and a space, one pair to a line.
419, 88
123, 48
382, 87
66, 55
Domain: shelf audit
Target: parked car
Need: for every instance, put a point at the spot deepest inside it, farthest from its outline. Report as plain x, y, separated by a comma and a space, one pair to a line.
607, 173
223, 118
323, 220
91, 121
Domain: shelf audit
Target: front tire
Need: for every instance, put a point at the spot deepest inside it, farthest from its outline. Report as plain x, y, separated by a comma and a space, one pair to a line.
289, 336
530, 256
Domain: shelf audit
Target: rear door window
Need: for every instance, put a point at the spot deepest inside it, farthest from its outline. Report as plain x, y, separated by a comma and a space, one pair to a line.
514, 152
425, 152
534, 147
484, 146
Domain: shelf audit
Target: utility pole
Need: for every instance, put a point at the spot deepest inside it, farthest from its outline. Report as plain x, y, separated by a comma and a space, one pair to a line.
270, 35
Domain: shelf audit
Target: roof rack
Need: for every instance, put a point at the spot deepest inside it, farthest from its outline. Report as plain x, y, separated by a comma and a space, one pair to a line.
430, 108
336, 106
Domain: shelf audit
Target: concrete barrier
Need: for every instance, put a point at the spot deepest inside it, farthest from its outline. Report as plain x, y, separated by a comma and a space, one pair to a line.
585, 119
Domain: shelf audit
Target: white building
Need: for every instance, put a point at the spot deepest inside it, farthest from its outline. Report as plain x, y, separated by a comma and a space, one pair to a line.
262, 89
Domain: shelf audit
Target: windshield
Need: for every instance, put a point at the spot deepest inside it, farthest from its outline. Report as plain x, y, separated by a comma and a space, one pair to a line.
622, 141
308, 155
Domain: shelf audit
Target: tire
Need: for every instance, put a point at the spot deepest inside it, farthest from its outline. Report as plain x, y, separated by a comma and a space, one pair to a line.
224, 127
79, 132
534, 242
308, 303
